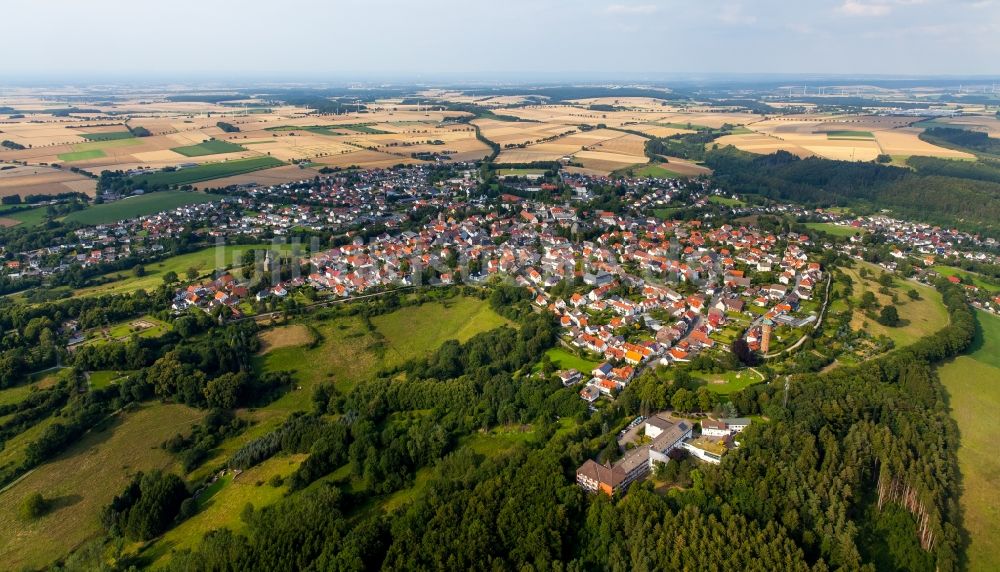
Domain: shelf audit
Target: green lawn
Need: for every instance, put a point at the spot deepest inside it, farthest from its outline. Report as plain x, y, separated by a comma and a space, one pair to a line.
566, 360
973, 385
131, 207
208, 171
205, 261
519, 172
145, 327
666, 212
110, 136
848, 134
834, 229
81, 155
83, 480
728, 382
104, 378
210, 147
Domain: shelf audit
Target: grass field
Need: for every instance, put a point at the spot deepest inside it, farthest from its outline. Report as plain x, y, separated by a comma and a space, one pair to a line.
725, 201
834, 229
919, 317
208, 171
81, 155
210, 147
519, 172
846, 134
728, 382
220, 505
136, 206
84, 479
566, 360
361, 128
95, 149
104, 378
29, 217
966, 277
973, 385
144, 327
110, 136
205, 261
653, 171
667, 212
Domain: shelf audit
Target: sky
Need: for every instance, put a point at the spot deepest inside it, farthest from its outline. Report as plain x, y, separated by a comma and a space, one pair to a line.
480, 39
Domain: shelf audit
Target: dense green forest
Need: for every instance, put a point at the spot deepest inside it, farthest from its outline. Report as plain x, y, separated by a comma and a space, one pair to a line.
975, 141
945, 195
852, 470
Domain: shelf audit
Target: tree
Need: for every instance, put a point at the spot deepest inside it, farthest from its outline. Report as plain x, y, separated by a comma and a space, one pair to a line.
139, 270
170, 277
192, 273
33, 506
868, 300
889, 316
913, 294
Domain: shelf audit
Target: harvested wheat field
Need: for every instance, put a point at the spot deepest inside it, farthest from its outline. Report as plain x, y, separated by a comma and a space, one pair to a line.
33, 180
275, 176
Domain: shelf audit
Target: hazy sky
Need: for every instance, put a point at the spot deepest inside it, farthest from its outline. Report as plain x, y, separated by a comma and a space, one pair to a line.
384, 38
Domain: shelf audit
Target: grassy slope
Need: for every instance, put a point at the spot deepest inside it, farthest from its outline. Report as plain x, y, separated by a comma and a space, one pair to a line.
973, 385
84, 479
151, 203
966, 277
920, 317
221, 508
563, 359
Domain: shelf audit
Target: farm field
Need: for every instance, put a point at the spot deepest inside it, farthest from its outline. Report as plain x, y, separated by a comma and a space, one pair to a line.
205, 261
37, 180
973, 385
209, 171
140, 205
845, 137
84, 479
107, 136
918, 317
210, 147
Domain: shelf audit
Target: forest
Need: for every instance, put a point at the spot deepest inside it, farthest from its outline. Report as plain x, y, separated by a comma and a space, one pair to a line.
945, 196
